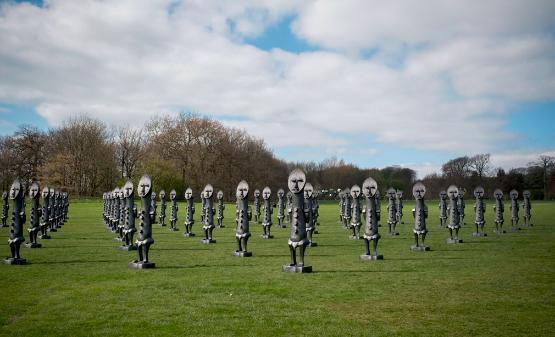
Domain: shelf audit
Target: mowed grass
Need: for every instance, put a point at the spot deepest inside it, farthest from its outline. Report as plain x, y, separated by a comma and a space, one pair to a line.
79, 284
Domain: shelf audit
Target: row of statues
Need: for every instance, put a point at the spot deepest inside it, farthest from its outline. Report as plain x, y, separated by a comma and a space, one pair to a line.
43, 220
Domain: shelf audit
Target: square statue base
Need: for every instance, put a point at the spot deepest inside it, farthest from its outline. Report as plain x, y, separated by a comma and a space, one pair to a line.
208, 241
14, 260
416, 248
312, 244
515, 229
174, 229
189, 235
354, 237
33, 245
44, 237
163, 224
454, 241
365, 257
297, 269
141, 265
127, 248
479, 234
266, 237
241, 253
499, 231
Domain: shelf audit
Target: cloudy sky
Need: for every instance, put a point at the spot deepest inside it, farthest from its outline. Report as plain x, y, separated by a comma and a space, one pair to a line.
377, 83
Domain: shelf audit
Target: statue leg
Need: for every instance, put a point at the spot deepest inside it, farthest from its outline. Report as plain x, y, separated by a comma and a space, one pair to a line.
245, 240
238, 244
17, 248
302, 248
416, 239
210, 233
140, 251
367, 246
269, 229
206, 234
451, 233
12, 249
147, 248
457, 233
423, 238
375, 241
354, 230
293, 256
390, 232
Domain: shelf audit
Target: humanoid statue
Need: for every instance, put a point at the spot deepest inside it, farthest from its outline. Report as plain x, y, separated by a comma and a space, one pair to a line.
153, 207
289, 197
130, 214
514, 210
341, 197
45, 221
454, 217
347, 211
443, 209
121, 222
399, 206
420, 214
18, 220
202, 206
190, 212
5, 208
355, 212
297, 237
34, 218
52, 210
316, 211
162, 216
65, 197
309, 213
527, 207
242, 218
461, 205
378, 200
144, 238
105, 208
369, 188
499, 210
221, 208
268, 210
281, 208
479, 210
391, 211
257, 205
208, 212
116, 210
173, 210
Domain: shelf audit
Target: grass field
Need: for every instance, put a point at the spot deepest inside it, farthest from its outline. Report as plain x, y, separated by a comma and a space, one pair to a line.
79, 284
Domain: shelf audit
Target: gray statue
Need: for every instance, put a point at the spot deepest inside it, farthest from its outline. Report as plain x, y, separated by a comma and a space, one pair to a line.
144, 239
189, 217
18, 220
45, 221
443, 209
391, 195
257, 205
221, 208
162, 216
347, 208
34, 219
527, 207
130, 214
65, 197
289, 196
116, 210
309, 213
378, 200
53, 209
355, 212
153, 207
372, 215
268, 210
514, 210
121, 222
420, 214
341, 197
399, 206
499, 210
202, 205
454, 217
479, 210
242, 218
316, 211
173, 210
5, 208
461, 205
281, 207
297, 237
208, 212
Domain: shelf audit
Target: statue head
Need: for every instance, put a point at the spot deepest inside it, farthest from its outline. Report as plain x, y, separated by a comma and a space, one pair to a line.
526, 194
266, 192
355, 191
242, 190
418, 191
220, 195
514, 194
453, 192
51, 192
116, 192
172, 194
15, 189
45, 191
208, 191
390, 193
369, 187
188, 193
256, 193
479, 192
34, 190
498, 194
399, 194
443, 195
5, 195
308, 191
296, 181
280, 193
128, 189
145, 186
162, 195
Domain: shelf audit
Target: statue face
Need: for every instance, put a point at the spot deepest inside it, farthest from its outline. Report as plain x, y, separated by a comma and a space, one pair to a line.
308, 191
256, 193
128, 189
153, 195
399, 194
526, 194
51, 192
369, 187
355, 191
116, 193
281, 193
479, 192
453, 192
34, 190
418, 191
242, 190
266, 192
45, 192
514, 194
443, 195
208, 191
188, 193
172, 194
15, 189
220, 195
390, 193
498, 194
296, 181
162, 194
145, 186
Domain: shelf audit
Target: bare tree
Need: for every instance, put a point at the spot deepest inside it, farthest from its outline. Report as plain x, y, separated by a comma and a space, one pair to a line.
480, 164
546, 163
129, 145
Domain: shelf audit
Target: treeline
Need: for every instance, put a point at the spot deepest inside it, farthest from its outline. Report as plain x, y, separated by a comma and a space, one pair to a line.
86, 157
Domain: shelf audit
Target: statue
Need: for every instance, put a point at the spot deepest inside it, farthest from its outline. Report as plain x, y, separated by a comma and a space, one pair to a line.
257, 205
372, 215
399, 206
499, 210
479, 210
115, 210
51, 211
208, 212
316, 211
173, 211
162, 216
221, 208
355, 212
378, 200
527, 207
443, 209
130, 214
391, 195
189, 217
268, 210
289, 196
18, 220
121, 222
347, 208
514, 210
5, 208
461, 205
309, 213
202, 205
341, 197
144, 239
281, 207
36, 212
242, 218
45, 221
153, 206
65, 197
420, 214
454, 217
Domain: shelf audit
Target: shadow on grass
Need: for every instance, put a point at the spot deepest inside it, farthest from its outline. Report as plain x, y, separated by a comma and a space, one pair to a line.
363, 271
75, 262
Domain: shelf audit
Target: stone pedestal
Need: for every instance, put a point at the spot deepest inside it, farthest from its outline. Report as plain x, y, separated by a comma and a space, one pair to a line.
499, 231
365, 257
479, 234
454, 241
515, 229
416, 248
241, 253
297, 269
141, 265
174, 229
208, 241
44, 237
189, 235
128, 248
354, 237
33, 245
11, 260
266, 237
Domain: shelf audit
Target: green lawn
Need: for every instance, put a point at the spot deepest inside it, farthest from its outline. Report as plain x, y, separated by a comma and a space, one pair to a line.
79, 284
